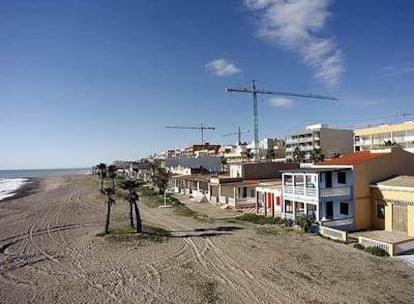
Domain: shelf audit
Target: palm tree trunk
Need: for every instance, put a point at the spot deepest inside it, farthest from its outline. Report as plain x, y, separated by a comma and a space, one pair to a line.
113, 184
131, 217
138, 217
108, 216
102, 180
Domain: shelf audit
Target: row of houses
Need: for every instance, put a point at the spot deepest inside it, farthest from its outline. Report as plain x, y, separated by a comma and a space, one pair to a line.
358, 191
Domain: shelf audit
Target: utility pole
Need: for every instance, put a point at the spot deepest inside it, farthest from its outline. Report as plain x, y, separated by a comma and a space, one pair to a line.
254, 91
201, 128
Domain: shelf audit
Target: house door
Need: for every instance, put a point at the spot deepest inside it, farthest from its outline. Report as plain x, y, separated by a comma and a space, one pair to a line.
329, 210
399, 218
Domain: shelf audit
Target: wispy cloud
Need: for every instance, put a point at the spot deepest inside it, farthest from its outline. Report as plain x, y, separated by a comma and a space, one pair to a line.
281, 102
222, 68
295, 24
398, 69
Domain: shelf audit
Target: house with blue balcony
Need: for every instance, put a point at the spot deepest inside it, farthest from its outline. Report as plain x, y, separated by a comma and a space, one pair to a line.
337, 191
323, 193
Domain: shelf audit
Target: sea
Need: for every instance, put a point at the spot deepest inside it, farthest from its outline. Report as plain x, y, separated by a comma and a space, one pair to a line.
12, 180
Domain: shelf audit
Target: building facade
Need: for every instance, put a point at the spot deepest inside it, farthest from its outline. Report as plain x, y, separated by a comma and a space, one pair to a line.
377, 137
331, 142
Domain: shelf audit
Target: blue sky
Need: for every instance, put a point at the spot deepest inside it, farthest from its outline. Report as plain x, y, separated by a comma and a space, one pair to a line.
89, 81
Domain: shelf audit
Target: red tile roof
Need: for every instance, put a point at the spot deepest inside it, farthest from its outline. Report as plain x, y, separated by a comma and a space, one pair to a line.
352, 159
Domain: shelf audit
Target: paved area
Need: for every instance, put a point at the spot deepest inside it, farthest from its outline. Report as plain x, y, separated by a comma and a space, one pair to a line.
384, 236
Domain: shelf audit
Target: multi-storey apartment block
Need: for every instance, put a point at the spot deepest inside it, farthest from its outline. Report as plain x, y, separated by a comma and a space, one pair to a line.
331, 142
377, 137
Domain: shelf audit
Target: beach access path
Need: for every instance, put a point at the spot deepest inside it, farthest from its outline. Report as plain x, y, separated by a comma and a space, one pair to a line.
52, 251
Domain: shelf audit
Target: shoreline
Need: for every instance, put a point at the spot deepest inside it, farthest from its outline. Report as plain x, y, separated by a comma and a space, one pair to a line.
28, 188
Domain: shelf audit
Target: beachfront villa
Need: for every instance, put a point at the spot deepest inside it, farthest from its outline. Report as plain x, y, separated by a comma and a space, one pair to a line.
338, 191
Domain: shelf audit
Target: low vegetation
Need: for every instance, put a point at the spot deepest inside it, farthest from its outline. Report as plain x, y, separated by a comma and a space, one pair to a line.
359, 246
377, 251
256, 219
128, 234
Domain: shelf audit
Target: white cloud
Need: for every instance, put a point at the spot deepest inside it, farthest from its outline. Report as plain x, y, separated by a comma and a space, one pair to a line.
398, 69
295, 25
281, 102
222, 68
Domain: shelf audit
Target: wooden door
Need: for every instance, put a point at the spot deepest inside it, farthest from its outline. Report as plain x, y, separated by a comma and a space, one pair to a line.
399, 218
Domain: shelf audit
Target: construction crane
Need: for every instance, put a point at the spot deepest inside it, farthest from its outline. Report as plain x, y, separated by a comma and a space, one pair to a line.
201, 128
254, 91
239, 133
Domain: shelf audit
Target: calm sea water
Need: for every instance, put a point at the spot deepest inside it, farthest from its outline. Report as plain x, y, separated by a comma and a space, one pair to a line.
12, 180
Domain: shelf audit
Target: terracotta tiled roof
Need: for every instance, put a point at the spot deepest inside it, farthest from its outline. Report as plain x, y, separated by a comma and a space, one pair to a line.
352, 159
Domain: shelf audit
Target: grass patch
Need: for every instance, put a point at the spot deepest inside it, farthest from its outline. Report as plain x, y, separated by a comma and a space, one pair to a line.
183, 210
331, 239
359, 246
208, 292
301, 275
267, 231
256, 219
128, 234
377, 251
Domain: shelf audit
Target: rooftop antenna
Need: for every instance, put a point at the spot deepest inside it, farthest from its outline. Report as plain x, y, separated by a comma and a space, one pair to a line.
254, 91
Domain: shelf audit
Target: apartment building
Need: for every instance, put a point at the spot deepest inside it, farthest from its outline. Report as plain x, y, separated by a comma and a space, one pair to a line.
331, 142
377, 137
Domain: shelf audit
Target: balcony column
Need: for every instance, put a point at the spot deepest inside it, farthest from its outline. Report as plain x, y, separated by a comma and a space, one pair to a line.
294, 209
305, 208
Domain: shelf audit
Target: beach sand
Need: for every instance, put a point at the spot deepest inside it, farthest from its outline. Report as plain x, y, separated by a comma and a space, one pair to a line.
51, 251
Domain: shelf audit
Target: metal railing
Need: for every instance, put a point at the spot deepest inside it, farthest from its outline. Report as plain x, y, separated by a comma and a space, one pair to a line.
337, 191
338, 222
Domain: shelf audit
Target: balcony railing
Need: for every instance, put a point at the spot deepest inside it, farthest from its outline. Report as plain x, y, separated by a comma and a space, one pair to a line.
332, 192
299, 191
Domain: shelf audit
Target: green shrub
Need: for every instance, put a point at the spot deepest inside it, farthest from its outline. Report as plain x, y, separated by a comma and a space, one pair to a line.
377, 251
359, 246
279, 220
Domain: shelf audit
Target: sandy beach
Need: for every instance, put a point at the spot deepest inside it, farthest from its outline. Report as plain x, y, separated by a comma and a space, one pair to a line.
51, 251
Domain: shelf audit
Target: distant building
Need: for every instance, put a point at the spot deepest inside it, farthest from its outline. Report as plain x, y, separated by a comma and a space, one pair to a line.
332, 142
377, 137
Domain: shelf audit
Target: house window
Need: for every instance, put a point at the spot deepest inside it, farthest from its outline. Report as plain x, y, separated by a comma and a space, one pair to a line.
288, 180
309, 181
300, 208
342, 177
344, 208
381, 212
288, 206
251, 192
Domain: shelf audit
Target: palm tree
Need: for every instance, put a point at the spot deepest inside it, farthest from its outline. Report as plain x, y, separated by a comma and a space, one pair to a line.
298, 155
112, 172
316, 155
109, 202
161, 179
270, 154
102, 173
132, 198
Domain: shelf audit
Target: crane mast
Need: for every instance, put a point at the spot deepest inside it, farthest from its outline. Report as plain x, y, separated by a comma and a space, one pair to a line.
254, 91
